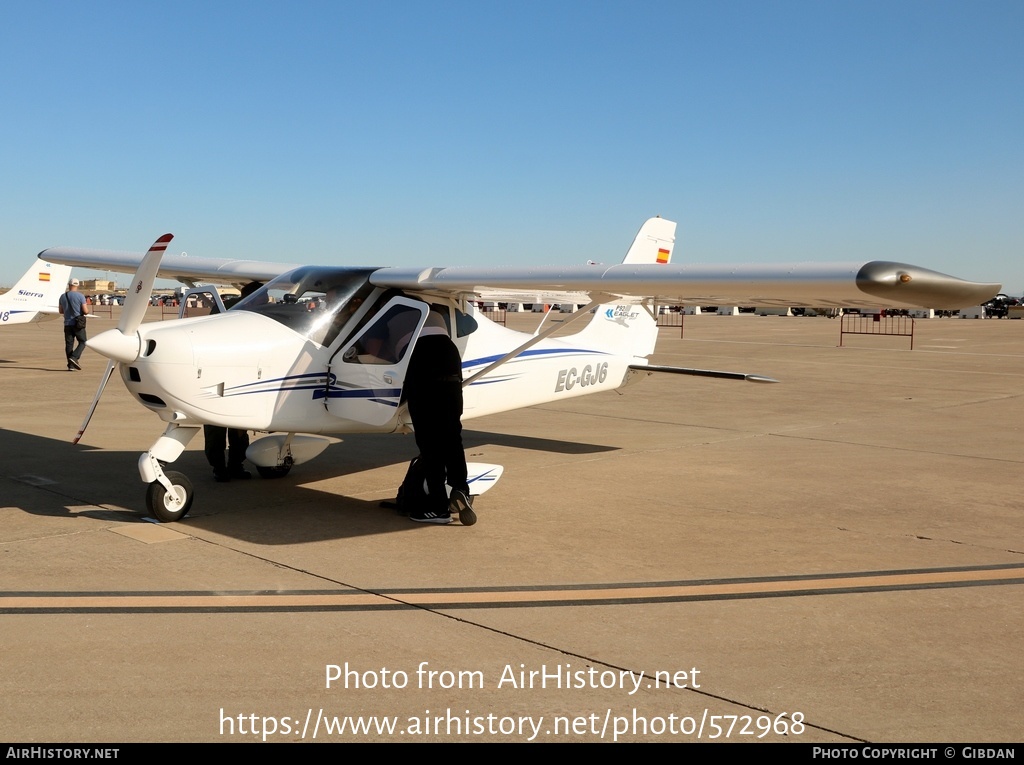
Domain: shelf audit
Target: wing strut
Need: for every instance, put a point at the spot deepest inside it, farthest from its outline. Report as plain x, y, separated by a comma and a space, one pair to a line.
585, 311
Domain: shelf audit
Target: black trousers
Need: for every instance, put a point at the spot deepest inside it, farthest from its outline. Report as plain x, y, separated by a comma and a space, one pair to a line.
237, 441
437, 424
72, 333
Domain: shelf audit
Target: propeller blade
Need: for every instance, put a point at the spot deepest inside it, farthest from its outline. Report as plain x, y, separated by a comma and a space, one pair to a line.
131, 317
95, 401
142, 287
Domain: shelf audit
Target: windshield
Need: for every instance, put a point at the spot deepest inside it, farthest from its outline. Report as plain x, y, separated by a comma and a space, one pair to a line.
315, 302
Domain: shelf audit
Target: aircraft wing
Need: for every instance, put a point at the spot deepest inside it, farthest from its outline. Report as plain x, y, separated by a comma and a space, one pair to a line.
183, 268
876, 283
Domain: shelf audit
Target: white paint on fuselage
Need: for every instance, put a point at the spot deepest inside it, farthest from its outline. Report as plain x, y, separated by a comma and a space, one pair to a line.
244, 370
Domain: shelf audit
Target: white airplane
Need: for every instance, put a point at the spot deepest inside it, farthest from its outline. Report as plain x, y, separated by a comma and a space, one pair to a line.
36, 294
323, 350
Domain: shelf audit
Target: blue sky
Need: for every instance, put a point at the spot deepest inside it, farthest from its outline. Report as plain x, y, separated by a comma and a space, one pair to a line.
444, 133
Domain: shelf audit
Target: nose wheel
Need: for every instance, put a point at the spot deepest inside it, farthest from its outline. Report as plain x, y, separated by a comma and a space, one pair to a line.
170, 504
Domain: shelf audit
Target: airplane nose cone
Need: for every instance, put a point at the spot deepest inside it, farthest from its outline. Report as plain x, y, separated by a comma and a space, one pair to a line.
116, 346
902, 284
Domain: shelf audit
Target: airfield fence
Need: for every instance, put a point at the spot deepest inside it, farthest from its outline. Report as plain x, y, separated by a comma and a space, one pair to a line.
497, 315
670, 318
97, 309
876, 324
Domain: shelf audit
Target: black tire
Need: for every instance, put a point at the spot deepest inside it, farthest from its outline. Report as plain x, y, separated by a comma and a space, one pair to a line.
279, 471
157, 499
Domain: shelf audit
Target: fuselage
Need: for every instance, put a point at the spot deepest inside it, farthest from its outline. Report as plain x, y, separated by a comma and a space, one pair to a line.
297, 363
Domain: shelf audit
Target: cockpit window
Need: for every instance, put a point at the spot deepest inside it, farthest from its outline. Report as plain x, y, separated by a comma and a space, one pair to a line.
386, 339
315, 302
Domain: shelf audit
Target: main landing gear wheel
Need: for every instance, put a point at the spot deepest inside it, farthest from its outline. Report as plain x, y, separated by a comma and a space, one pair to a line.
279, 471
165, 507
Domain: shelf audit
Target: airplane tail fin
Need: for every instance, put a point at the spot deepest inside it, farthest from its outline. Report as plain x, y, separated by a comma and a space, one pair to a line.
630, 328
653, 243
36, 292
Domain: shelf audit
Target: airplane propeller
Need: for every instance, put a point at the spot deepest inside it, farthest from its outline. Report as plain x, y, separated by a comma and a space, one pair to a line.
123, 344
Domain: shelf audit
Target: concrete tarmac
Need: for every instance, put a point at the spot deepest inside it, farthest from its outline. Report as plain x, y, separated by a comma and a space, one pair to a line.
836, 558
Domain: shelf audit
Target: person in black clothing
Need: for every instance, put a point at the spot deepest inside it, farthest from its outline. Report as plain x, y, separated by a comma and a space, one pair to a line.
237, 443
433, 390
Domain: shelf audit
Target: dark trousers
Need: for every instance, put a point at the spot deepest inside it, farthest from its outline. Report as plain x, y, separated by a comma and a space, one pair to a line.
237, 441
436, 414
72, 333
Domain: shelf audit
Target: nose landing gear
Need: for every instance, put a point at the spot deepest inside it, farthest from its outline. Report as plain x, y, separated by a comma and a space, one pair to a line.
169, 494
170, 504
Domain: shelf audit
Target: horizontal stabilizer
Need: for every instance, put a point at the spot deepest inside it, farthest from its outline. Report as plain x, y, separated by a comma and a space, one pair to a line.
702, 373
482, 476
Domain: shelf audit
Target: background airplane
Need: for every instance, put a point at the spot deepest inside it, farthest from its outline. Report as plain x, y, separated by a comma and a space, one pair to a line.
35, 295
323, 350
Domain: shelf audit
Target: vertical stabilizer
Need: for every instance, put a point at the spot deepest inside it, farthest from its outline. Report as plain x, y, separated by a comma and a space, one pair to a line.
653, 243
630, 329
35, 294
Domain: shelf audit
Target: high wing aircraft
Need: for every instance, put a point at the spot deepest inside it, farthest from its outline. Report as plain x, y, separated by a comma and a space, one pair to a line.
323, 350
36, 294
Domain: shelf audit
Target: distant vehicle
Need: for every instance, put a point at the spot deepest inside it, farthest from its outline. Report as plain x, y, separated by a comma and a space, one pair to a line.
999, 306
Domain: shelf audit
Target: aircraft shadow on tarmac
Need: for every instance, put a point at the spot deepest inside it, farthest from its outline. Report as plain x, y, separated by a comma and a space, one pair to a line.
54, 476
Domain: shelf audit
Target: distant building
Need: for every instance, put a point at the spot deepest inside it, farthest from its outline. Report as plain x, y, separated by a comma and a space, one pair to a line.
98, 285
